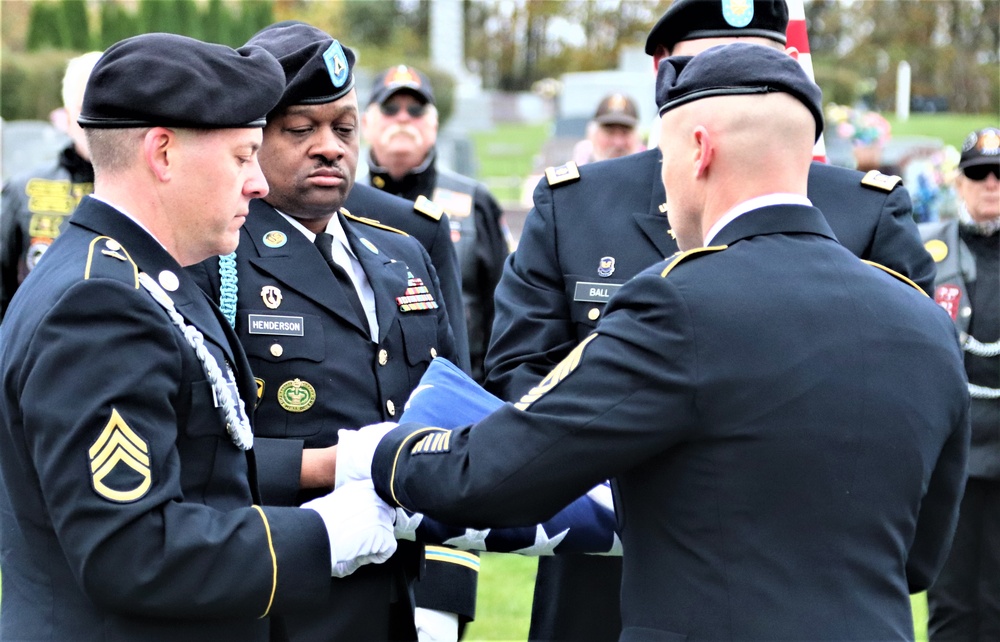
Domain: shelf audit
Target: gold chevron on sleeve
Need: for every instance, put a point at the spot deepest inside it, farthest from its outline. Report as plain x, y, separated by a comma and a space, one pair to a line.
119, 462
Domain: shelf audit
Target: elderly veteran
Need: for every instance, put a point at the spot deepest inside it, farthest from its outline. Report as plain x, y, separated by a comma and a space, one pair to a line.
965, 601
340, 316
129, 508
759, 497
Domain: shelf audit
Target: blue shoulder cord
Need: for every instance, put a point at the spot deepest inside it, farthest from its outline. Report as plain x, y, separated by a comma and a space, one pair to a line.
229, 287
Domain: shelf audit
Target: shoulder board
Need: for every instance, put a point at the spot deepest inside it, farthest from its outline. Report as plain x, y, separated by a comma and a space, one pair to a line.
107, 258
370, 221
896, 274
567, 173
683, 256
877, 180
428, 208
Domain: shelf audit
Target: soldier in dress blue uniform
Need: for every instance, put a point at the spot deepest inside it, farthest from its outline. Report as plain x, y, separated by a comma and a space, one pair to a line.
338, 334
787, 425
965, 601
128, 503
594, 227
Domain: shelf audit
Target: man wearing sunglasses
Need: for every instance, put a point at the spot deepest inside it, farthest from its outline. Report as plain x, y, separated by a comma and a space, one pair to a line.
965, 600
401, 125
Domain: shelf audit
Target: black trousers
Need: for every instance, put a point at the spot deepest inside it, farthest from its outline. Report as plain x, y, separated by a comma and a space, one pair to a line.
964, 602
577, 598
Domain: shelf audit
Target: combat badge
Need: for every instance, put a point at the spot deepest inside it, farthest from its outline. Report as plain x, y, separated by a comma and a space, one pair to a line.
271, 296
296, 395
606, 267
274, 239
119, 462
416, 297
563, 174
557, 375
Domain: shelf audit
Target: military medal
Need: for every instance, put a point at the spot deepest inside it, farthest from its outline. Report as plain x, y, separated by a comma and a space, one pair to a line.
416, 296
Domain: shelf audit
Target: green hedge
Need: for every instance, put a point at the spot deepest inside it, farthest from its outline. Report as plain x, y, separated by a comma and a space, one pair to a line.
31, 83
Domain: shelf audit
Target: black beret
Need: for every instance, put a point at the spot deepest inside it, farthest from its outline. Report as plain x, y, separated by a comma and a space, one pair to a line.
401, 78
735, 69
697, 19
318, 69
162, 79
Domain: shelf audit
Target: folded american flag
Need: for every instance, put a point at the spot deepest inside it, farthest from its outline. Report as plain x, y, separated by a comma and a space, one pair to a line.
448, 398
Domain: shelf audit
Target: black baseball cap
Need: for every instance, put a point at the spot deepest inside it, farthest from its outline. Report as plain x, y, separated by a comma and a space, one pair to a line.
401, 78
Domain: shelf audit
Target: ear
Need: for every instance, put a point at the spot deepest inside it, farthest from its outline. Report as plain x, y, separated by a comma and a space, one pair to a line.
704, 151
158, 148
793, 52
658, 55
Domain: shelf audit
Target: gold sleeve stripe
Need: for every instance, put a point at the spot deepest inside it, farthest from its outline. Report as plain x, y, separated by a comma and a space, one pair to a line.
395, 461
897, 275
274, 562
90, 259
684, 255
451, 556
371, 221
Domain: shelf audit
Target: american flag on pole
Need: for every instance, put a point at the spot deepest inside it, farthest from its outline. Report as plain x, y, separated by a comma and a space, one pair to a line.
798, 38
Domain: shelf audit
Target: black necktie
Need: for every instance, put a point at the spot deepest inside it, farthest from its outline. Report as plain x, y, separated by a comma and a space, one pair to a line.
325, 243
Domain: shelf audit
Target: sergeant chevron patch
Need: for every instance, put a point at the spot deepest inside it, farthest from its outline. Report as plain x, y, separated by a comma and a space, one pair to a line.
119, 462
560, 372
436, 442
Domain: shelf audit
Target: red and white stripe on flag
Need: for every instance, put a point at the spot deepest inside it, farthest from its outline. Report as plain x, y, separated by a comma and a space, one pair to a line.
798, 38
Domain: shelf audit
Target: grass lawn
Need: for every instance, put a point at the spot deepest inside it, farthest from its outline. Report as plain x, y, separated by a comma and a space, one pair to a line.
504, 602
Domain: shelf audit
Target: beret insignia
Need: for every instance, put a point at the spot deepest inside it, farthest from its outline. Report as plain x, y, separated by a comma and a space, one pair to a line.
119, 462
556, 376
877, 180
567, 173
336, 64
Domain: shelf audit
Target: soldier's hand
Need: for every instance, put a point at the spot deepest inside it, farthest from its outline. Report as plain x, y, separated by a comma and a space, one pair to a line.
355, 450
359, 525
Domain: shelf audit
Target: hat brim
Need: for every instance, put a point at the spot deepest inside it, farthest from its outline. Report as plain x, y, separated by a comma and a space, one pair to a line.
979, 160
617, 119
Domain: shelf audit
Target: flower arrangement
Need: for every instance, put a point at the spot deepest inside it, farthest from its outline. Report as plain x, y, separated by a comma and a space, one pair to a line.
862, 127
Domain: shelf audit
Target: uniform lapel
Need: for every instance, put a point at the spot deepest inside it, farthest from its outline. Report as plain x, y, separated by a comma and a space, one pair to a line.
295, 262
653, 221
386, 276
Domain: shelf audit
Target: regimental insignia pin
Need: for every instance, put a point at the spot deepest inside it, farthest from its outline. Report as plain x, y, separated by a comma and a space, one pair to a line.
260, 392
368, 244
271, 296
168, 281
662, 207
336, 64
738, 13
606, 267
119, 462
296, 395
274, 238
937, 248
416, 297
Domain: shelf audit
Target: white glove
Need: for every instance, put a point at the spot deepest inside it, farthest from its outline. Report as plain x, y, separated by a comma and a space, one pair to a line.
359, 525
355, 450
406, 525
435, 626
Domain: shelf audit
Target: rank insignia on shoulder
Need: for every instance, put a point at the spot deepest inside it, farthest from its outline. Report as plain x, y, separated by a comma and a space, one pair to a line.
119, 462
416, 297
878, 180
428, 208
436, 442
113, 249
567, 173
557, 375
683, 256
